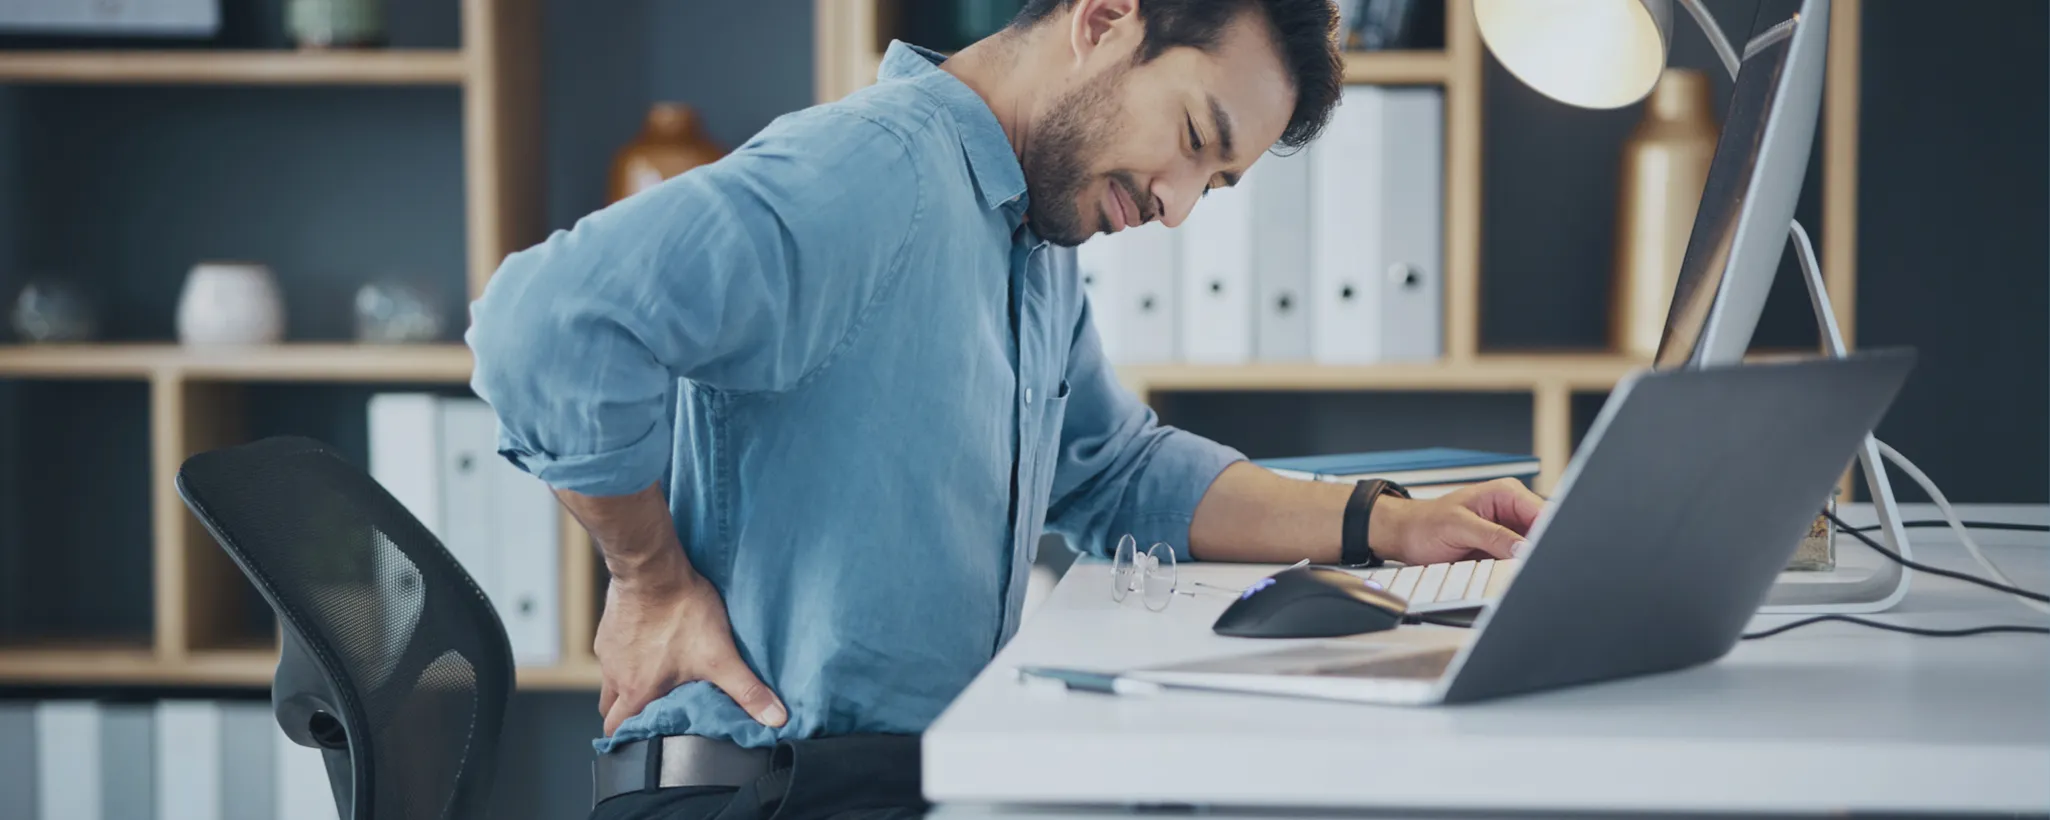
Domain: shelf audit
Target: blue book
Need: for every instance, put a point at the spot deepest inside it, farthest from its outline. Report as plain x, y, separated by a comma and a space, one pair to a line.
1412, 468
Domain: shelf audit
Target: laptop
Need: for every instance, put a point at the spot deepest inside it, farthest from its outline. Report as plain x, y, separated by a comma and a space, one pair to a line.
1689, 495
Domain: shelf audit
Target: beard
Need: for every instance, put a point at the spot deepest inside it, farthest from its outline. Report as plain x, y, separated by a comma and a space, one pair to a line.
1056, 164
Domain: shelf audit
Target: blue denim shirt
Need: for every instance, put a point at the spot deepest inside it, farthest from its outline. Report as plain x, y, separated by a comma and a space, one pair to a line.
866, 386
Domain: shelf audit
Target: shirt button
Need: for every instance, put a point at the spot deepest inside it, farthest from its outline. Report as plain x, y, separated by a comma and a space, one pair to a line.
1028, 395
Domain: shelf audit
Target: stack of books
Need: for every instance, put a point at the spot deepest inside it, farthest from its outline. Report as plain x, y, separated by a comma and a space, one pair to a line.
1427, 473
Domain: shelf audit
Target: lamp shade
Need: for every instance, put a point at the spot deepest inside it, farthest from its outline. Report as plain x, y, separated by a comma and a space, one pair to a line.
1587, 53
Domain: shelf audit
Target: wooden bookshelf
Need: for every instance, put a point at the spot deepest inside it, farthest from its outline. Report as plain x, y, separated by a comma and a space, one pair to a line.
188, 67
196, 395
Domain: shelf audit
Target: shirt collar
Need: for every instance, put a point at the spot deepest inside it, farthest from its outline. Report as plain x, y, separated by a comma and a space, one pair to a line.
998, 176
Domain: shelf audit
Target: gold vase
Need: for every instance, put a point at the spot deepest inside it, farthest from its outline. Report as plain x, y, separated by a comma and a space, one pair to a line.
671, 142
1665, 164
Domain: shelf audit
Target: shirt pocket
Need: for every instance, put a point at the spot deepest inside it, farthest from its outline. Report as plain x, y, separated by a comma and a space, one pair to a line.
1053, 412
1056, 411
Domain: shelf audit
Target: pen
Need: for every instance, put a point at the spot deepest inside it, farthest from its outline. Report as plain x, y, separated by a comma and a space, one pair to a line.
1080, 681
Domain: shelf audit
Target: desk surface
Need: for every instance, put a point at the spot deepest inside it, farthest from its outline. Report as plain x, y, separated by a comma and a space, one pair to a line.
1830, 717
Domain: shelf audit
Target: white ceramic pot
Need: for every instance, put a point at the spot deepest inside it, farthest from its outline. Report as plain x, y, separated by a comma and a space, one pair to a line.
230, 303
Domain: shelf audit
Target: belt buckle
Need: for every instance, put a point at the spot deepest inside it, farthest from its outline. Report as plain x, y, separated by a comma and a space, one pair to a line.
622, 763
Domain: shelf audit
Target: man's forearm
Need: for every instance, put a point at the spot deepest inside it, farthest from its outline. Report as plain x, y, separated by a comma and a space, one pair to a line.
634, 534
1252, 515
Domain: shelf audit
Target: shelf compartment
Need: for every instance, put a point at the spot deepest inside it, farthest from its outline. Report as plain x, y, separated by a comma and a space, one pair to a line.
68, 578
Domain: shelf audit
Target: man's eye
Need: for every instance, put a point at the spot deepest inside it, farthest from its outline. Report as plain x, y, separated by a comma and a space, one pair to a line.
1195, 142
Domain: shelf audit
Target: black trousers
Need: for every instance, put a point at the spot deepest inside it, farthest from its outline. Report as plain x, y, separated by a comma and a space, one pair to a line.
860, 777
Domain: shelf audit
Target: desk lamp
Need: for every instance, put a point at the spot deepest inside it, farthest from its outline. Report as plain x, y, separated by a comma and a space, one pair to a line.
1604, 54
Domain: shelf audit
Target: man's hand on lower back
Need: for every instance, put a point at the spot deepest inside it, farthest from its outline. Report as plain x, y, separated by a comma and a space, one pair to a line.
666, 627
1487, 520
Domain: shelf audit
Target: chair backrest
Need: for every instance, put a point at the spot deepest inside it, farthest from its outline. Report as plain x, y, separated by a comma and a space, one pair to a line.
394, 662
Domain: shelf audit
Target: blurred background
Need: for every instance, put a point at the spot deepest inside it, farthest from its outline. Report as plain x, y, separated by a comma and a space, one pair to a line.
227, 219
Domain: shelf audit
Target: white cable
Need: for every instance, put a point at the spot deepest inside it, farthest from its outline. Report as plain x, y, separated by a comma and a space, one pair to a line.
1958, 525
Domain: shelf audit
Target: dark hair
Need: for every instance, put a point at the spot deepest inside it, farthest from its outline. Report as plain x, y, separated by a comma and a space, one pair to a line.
1303, 31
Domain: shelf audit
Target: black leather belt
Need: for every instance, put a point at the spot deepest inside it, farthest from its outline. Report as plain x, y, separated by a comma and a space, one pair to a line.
673, 761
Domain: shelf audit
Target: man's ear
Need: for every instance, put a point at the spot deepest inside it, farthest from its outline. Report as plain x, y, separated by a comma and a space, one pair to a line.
1094, 25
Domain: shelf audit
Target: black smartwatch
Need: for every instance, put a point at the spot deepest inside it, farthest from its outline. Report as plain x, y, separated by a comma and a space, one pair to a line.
1355, 551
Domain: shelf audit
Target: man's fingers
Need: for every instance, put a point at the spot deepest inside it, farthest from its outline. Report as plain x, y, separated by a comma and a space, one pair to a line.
623, 707
606, 696
1491, 538
1526, 507
1509, 503
739, 683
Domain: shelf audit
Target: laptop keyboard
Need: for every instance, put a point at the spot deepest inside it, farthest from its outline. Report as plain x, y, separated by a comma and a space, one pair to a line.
1447, 585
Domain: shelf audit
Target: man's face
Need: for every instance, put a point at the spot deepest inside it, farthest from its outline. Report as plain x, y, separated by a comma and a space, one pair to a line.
1125, 143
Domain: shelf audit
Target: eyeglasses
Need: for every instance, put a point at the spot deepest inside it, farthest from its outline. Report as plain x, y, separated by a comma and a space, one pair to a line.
1152, 573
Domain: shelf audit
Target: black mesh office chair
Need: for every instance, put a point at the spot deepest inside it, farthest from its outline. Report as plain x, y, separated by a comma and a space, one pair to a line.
394, 663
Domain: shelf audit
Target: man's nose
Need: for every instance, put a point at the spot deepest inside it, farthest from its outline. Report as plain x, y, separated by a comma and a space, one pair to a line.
1177, 199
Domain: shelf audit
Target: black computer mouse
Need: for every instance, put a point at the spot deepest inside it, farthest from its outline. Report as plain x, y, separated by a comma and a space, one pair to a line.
1310, 602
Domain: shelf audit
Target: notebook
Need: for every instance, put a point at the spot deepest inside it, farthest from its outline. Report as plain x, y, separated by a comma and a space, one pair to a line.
1430, 466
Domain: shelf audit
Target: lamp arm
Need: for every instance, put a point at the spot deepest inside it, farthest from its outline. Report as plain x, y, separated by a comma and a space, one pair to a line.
1714, 30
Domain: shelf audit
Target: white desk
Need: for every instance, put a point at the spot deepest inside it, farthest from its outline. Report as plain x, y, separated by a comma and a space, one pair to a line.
1827, 718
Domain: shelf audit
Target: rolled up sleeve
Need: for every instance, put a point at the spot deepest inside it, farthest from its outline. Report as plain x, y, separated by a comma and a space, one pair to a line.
1120, 471
744, 275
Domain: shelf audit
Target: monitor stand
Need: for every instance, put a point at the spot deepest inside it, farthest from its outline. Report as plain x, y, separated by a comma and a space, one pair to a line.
1845, 590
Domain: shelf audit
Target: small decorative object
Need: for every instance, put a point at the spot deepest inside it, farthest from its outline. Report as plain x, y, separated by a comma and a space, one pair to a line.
393, 312
230, 303
335, 23
1665, 165
1817, 552
49, 309
670, 143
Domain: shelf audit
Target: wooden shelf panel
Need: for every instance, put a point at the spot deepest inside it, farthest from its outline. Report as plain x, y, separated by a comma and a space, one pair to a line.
1361, 67
369, 67
1489, 373
133, 667
434, 363
565, 677
237, 667
1397, 67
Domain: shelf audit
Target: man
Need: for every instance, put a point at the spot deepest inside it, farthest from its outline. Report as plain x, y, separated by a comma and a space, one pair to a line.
816, 401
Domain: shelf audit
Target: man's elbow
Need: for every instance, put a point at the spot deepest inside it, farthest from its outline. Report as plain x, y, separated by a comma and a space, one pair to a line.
507, 332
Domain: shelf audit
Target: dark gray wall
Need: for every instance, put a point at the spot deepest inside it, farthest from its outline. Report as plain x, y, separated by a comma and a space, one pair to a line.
1951, 256
11, 562
78, 555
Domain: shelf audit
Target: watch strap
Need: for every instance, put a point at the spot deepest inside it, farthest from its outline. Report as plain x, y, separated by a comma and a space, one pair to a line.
1355, 551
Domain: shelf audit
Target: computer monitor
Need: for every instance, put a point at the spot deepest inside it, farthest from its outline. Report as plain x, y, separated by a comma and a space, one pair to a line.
1740, 233
1754, 181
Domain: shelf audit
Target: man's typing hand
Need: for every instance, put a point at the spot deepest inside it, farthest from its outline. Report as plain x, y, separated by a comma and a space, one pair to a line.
1483, 521
666, 627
